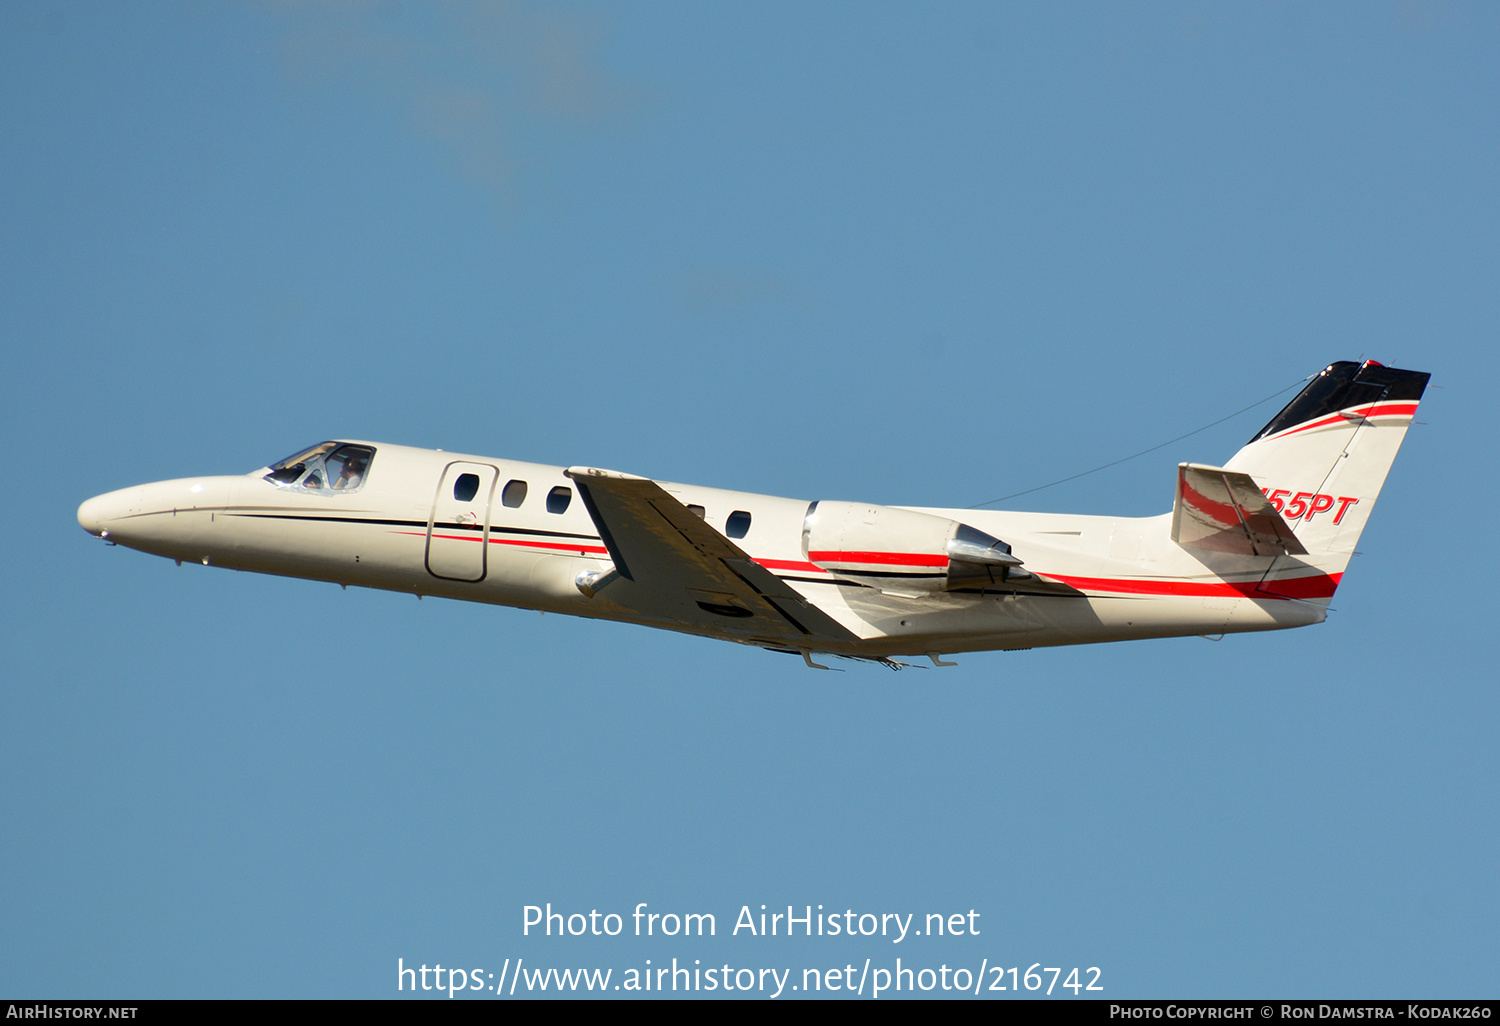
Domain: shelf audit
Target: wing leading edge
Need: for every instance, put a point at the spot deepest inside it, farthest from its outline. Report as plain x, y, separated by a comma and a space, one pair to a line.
672, 567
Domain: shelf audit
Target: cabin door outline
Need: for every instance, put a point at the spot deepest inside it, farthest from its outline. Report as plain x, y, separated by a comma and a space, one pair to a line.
458, 529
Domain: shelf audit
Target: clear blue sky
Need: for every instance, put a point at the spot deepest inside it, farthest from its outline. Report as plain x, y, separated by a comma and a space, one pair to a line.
912, 254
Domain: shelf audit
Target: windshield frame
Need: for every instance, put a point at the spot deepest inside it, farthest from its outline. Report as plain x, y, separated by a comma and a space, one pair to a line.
308, 469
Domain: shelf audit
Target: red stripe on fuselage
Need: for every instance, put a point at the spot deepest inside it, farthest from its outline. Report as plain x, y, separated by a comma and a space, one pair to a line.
553, 546
769, 564
1315, 586
550, 546
880, 558
790, 564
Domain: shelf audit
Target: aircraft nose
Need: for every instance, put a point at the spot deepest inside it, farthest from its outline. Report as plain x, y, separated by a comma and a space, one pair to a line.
96, 515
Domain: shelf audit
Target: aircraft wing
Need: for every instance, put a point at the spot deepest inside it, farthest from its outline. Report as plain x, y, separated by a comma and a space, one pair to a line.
1224, 511
674, 568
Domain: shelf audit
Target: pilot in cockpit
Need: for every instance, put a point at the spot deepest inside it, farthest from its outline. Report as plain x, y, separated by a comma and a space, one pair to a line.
331, 466
352, 473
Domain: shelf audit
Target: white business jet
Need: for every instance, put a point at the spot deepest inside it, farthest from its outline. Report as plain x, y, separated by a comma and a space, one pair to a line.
1257, 544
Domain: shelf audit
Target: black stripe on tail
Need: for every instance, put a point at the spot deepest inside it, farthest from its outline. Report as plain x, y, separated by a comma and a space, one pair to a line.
1345, 384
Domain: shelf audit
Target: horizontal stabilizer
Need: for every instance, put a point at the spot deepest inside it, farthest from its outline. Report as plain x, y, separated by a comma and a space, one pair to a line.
1223, 511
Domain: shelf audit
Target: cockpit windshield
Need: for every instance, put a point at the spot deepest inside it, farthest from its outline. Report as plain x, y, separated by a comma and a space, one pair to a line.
329, 466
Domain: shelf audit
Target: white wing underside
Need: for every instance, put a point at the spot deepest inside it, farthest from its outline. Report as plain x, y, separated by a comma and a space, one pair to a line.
672, 568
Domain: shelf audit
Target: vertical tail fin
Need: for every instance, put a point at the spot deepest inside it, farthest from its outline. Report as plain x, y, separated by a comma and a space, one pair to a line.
1322, 459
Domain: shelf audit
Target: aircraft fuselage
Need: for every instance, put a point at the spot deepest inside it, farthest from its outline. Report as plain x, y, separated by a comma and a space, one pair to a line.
1092, 579
1260, 543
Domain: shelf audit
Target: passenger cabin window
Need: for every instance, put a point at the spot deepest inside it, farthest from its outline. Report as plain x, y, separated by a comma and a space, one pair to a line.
328, 467
466, 487
558, 499
514, 494
697, 511
738, 524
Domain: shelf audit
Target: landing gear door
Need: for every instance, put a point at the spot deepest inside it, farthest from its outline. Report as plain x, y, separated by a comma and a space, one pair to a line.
458, 532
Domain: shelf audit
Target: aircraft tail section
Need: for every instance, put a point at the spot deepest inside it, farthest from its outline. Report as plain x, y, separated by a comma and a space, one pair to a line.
1322, 460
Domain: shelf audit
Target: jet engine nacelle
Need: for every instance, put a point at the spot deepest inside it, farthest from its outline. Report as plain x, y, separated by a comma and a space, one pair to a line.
902, 552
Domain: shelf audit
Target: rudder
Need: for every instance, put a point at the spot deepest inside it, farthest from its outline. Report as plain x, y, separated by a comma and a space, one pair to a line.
1322, 460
